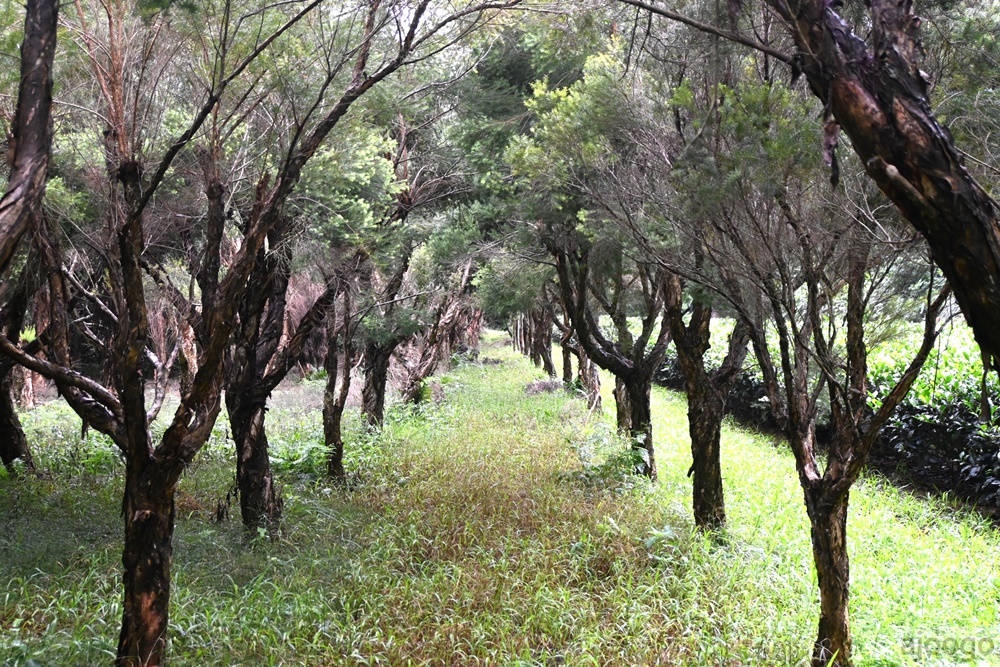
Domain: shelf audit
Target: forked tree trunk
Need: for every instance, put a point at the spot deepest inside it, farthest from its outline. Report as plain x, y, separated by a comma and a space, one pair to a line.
779, 411
148, 507
261, 314
541, 344
828, 528
13, 443
706, 397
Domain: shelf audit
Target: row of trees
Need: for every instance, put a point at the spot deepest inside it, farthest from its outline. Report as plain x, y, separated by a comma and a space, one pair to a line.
233, 190
679, 178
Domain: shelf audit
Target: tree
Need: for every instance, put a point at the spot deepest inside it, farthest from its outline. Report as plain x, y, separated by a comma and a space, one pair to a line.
816, 355
706, 396
119, 410
877, 93
30, 140
13, 442
28, 154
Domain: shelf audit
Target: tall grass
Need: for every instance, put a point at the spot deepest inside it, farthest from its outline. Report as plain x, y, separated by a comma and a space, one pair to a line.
496, 528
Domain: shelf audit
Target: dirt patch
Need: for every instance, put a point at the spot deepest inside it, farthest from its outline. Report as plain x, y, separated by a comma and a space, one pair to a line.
543, 387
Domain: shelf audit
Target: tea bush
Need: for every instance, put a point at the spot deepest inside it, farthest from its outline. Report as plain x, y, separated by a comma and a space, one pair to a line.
936, 439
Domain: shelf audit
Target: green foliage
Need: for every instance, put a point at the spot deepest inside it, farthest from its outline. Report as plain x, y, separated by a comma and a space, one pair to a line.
507, 286
492, 98
346, 188
573, 127
65, 203
951, 374
11, 34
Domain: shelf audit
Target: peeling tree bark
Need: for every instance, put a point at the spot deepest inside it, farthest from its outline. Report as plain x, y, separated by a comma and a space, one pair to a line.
31, 133
338, 387
375, 362
30, 149
878, 95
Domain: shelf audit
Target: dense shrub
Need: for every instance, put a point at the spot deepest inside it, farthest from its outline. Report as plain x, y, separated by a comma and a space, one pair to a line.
948, 449
935, 440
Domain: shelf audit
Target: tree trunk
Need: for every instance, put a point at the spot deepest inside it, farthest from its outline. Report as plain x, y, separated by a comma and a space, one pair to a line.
779, 411
567, 363
149, 526
541, 342
334, 397
590, 378
30, 139
828, 525
333, 414
545, 351
705, 412
879, 96
623, 407
375, 363
13, 443
260, 503
641, 417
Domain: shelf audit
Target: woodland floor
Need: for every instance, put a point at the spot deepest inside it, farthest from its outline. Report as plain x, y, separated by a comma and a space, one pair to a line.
495, 528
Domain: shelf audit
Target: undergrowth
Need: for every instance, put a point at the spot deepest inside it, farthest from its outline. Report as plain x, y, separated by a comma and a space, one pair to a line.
495, 528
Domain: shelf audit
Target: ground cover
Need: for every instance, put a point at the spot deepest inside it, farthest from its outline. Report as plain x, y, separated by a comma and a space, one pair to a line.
495, 528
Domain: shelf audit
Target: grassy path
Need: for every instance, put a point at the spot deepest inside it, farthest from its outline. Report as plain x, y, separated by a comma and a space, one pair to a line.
494, 529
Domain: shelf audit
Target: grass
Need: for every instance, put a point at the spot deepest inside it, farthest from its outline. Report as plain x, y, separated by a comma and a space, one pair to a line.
493, 529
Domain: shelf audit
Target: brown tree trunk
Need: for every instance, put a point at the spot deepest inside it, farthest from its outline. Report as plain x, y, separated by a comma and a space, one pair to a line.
333, 413
623, 406
257, 337
13, 443
779, 412
878, 95
541, 341
641, 418
148, 507
375, 362
260, 502
334, 397
567, 363
705, 411
828, 527
30, 142
590, 378
706, 396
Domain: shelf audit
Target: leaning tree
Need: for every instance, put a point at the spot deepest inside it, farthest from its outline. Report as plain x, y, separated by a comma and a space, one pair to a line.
869, 77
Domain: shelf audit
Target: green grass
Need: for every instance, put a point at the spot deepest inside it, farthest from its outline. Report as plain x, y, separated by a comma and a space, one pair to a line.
493, 529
